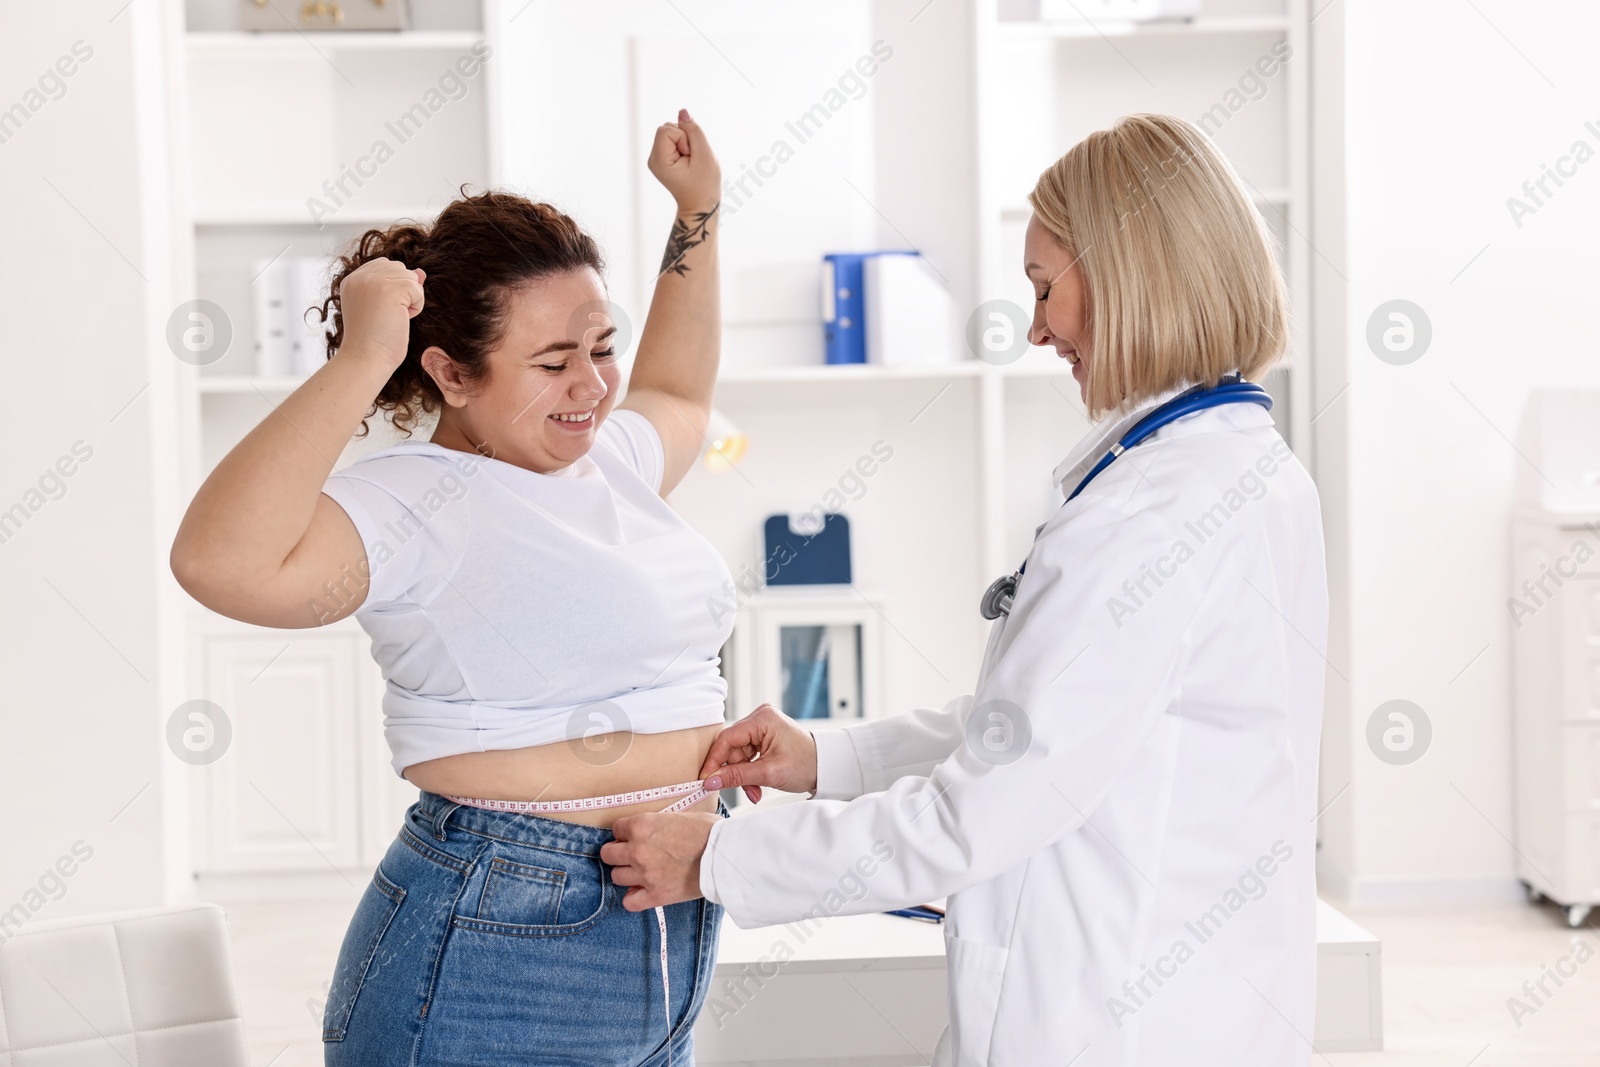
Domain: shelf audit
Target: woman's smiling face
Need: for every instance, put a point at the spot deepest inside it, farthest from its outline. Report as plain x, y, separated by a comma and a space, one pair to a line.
1060, 307
549, 383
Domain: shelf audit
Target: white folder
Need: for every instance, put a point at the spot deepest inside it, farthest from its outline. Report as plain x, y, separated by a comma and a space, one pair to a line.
910, 314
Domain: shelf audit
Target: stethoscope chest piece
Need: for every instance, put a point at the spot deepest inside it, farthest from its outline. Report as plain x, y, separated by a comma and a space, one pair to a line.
998, 597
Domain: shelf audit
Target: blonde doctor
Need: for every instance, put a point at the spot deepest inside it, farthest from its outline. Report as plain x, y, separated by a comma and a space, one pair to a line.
1122, 814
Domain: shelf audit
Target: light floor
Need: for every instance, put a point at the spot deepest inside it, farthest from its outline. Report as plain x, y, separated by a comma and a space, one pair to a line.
1447, 975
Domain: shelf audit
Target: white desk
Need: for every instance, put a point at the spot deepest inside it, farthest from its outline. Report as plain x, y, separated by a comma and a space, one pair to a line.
869, 991
1349, 985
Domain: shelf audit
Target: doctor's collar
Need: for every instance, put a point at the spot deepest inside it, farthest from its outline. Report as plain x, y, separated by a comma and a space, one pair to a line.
1101, 433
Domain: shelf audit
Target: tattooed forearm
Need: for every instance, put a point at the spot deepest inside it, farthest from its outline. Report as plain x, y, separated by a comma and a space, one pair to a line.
685, 235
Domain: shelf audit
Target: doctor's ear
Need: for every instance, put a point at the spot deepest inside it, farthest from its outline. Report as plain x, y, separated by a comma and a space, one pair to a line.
448, 375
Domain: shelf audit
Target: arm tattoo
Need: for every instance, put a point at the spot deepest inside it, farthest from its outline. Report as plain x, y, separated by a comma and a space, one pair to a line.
685, 235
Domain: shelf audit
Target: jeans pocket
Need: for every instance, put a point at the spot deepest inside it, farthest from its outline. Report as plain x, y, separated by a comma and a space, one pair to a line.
539, 893
371, 920
521, 893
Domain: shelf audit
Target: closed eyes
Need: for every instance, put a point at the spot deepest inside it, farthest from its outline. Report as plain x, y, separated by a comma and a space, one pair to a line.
557, 368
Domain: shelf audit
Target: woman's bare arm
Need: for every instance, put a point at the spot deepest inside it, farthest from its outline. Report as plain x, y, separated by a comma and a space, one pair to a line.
259, 539
675, 370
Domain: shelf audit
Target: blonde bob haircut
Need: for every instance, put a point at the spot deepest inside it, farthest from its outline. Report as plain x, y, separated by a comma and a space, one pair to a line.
1179, 274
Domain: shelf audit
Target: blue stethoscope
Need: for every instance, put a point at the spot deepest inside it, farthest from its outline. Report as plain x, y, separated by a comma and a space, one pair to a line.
1233, 389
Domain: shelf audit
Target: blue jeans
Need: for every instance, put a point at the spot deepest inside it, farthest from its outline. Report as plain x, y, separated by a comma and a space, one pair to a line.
492, 938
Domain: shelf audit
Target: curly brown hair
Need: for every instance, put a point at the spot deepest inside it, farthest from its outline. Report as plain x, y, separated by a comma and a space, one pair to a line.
476, 253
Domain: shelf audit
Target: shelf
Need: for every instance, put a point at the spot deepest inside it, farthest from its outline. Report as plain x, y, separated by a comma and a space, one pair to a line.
1030, 366
850, 372
221, 384
333, 40
1242, 25
233, 383
296, 215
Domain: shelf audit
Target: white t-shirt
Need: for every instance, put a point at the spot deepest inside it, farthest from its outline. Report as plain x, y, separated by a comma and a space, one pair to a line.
510, 609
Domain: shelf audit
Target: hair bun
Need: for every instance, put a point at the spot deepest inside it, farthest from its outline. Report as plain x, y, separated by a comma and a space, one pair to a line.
477, 252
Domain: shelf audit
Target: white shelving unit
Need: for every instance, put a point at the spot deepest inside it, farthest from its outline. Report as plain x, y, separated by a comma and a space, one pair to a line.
305, 801
1043, 86
1069, 79
271, 117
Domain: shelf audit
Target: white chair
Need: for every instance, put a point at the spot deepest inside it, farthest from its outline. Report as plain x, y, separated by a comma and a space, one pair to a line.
148, 988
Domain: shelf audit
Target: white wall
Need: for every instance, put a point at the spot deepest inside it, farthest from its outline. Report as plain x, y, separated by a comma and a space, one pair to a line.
81, 286
1447, 109
747, 73
924, 120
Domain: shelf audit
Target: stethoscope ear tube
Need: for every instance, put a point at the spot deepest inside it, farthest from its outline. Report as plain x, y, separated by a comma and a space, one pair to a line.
997, 599
1229, 392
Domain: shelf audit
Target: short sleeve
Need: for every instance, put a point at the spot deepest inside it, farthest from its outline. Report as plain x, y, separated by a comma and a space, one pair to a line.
633, 439
412, 514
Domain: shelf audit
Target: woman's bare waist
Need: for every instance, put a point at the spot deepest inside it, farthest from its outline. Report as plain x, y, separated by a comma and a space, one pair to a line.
569, 770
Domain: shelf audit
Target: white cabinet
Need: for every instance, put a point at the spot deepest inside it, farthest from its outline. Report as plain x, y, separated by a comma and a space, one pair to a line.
281, 797
1554, 607
302, 793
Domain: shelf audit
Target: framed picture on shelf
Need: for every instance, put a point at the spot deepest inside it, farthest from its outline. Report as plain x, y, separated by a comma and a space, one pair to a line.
815, 654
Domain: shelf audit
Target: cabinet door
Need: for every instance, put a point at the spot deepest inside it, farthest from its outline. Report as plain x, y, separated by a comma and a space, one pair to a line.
1582, 868
1580, 628
1581, 748
285, 795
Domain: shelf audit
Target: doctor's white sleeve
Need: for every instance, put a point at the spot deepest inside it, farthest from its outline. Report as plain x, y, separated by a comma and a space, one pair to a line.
868, 756
1072, 690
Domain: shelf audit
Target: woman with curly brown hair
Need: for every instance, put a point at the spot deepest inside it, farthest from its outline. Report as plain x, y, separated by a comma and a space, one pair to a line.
536, 607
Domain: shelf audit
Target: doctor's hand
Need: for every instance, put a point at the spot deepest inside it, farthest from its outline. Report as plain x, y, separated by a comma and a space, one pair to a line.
765, 747
657, 855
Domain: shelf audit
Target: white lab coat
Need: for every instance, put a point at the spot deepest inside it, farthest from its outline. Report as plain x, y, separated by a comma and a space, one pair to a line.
1132, 885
